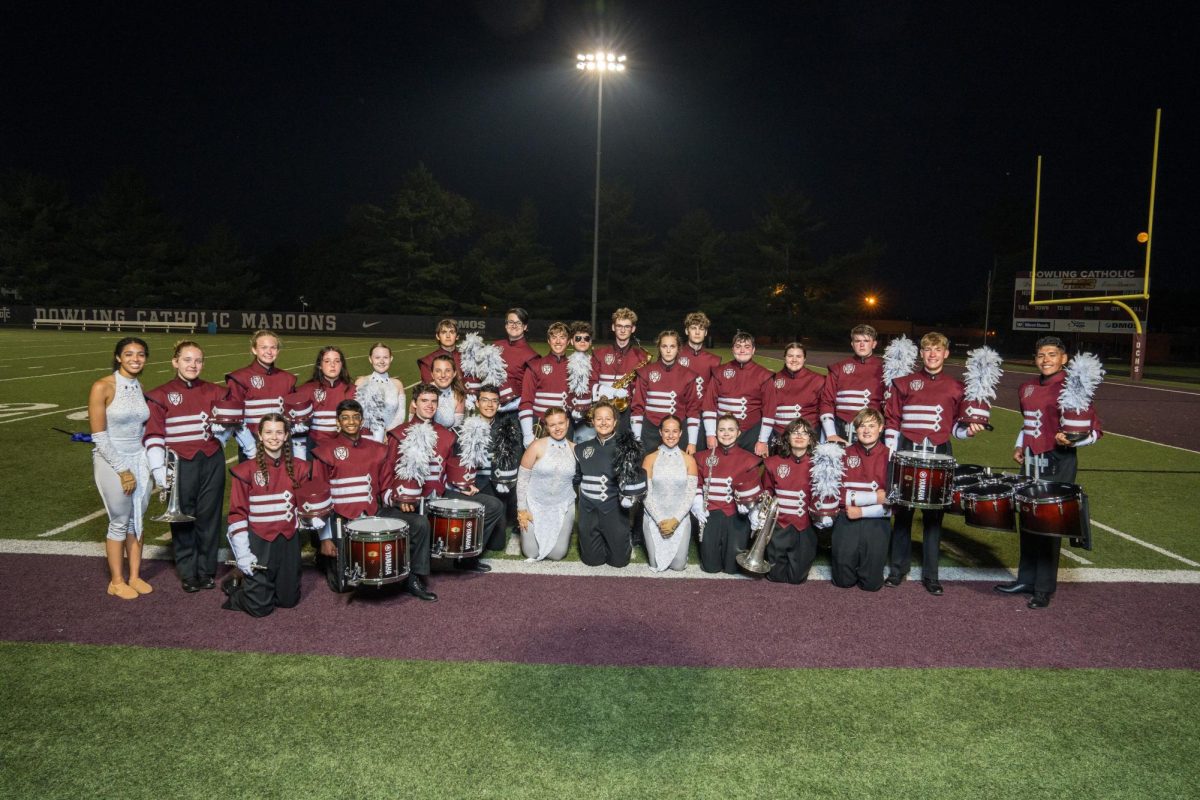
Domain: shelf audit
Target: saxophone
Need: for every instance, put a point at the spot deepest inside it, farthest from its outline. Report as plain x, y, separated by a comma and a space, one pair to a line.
622, 403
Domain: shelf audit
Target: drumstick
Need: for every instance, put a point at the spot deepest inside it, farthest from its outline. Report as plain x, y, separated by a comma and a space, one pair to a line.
257, 567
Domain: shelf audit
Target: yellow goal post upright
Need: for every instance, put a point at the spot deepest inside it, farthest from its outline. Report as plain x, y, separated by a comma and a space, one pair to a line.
1138, 354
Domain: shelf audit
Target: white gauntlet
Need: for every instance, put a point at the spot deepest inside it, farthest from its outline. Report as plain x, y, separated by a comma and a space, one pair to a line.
108, 452
524, 476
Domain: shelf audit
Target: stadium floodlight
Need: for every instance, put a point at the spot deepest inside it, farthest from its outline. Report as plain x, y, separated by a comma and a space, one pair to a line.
599, 62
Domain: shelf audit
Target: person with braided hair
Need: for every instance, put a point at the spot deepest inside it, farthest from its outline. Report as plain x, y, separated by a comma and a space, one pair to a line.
272, 495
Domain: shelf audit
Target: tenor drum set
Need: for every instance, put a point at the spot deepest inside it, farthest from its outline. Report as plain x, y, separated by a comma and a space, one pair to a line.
995, 501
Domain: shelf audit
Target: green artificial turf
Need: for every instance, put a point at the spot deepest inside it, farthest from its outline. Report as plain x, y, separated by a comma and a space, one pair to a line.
123, 722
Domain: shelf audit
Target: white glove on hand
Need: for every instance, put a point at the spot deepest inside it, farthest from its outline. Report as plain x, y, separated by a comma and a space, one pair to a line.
699, 511
626, 502
239, 543
502, 488
160, 477
755, 519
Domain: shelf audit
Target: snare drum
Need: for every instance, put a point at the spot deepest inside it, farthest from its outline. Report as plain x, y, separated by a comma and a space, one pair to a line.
917, 479
377, 551
455, 528
989, 504
1052, 509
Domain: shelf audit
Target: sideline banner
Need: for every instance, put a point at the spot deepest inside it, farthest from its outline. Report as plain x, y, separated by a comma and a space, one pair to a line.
248, 320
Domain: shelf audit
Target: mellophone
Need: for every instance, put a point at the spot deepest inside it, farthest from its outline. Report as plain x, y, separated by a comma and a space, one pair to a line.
1001, 501
374, 550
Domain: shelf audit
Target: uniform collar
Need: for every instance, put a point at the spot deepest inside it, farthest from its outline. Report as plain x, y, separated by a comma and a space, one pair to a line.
261, 367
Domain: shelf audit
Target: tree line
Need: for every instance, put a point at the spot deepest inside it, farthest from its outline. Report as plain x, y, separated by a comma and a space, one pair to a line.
429, 250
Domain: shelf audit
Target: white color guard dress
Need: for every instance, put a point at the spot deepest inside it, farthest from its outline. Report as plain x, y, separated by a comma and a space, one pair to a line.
669, 495
125, 420
552, 497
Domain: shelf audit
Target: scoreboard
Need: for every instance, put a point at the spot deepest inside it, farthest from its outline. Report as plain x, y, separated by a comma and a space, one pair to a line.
1077, 317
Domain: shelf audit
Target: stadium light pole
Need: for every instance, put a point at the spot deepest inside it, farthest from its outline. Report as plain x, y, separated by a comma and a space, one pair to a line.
598, 63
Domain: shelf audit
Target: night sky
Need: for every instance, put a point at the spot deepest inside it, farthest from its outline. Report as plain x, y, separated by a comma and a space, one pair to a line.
910, 123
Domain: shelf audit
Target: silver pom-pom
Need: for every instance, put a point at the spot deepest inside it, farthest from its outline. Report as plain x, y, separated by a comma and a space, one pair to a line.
370, 397
579, 373
827, 470
982, 375
482, 362
416, 452
474, 441
899, 359
1084, 374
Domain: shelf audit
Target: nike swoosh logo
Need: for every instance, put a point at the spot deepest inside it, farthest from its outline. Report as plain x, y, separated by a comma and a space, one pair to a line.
371, 324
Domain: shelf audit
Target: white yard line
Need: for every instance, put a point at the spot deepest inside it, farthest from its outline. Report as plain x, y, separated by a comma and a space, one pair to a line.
636, 571
75, 523
43, 414
1074, 557
72, 524
1145, 544
207, 357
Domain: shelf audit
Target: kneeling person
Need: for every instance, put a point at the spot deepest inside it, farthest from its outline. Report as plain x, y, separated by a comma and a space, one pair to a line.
862, 528
268, 496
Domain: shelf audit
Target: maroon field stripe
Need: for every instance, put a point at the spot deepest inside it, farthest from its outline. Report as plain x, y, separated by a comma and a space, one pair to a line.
623, 621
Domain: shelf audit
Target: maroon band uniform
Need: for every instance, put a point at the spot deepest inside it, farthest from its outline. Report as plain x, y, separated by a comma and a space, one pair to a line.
425, 362
852, 384
255, 390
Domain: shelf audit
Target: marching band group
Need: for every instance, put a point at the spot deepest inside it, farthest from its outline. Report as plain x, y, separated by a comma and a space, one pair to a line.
624, 447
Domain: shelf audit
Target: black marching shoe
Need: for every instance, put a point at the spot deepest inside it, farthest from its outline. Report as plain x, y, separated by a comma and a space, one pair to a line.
417, 588
1015, 587
933, 587
1039, 600
206, 583
191, 585
893, 579
473, 565
231, 582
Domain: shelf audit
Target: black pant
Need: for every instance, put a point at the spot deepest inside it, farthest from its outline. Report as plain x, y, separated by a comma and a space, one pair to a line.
931, 522
278, 586
1038, 565
791, 553
723, 538
931, 539
493, 517
859, 552
604, 536
202, 495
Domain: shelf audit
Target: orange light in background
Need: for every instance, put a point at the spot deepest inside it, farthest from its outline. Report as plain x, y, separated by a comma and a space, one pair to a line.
871, 300
1143, 237
779, 289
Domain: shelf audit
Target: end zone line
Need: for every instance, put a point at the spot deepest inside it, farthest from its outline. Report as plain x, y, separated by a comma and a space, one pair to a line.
1153, 547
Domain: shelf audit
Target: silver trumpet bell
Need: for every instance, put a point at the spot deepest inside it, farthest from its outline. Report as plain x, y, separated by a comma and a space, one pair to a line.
173, 512
754, 560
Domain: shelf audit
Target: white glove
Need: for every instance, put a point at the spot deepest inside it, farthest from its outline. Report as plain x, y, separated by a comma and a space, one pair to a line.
239, 543
575, 415
755, 519
626, 502
502, 488
699, 511
160, 477
316, 523
245, 440
636, 427
605, 391
471, 400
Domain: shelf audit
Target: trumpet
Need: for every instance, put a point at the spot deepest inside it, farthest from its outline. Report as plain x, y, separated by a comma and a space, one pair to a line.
622, 403
753, 560
173, 512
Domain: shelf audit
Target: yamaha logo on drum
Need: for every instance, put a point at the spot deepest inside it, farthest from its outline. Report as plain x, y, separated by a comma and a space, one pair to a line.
388, 558
257, 381
923, 484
